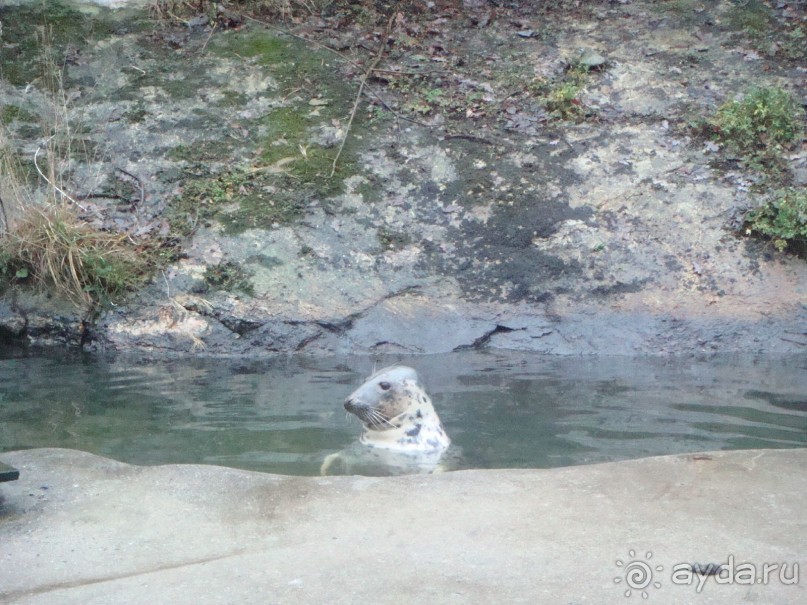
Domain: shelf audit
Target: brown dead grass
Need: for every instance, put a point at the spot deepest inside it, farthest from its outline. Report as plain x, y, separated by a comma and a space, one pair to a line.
57, 250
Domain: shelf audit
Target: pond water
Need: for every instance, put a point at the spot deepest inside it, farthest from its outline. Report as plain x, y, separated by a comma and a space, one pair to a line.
504, 410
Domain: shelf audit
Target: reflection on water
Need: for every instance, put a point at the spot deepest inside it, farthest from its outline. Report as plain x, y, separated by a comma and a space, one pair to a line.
503, 409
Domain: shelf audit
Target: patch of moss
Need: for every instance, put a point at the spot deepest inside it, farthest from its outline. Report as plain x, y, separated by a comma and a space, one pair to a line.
752, 17
11, 113
368, 188
287, 141
199, 152
289, 59
263, 210
64, 27
290, 168
783, 220
685, 11
229, 277
268, 48
175, 75
136, 114
310, 170
239, 199
793, 44
392, 240
232, 98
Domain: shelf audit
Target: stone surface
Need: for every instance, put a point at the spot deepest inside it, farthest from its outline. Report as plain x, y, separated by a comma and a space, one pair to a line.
8, 473
80, 529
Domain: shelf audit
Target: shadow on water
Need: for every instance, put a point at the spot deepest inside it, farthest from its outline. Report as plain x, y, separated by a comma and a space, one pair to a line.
284, 414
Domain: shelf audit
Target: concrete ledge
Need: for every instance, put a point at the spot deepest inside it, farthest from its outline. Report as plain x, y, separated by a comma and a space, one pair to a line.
80, 529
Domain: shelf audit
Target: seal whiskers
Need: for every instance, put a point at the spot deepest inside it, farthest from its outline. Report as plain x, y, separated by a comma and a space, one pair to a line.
397, 413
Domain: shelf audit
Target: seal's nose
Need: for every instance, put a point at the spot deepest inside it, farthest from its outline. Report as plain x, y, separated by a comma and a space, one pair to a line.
350, 406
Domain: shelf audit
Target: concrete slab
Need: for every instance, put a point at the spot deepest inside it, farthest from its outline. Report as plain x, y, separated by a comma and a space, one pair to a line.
80, 529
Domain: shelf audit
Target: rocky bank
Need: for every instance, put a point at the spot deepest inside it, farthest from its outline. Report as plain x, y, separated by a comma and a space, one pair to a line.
462, 212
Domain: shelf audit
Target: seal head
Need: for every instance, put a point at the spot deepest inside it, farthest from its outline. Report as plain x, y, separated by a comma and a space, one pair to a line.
397, 413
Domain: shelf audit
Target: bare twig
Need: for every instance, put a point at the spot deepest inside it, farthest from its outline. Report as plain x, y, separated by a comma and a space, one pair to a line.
381, 48
139, 183
5, 216
212, 31
469, 137
51, 183
99, 196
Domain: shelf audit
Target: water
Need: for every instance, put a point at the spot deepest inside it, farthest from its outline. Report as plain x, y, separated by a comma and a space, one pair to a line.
505, 410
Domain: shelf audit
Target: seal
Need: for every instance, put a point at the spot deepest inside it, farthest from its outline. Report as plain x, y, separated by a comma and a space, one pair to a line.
397, 413
401, 434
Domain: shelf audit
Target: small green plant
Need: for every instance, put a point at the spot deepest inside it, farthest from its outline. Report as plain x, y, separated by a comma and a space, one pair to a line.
560, 96
759, 125
783, 220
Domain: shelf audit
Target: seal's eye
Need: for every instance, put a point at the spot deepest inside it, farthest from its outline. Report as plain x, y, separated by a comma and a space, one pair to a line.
385, 386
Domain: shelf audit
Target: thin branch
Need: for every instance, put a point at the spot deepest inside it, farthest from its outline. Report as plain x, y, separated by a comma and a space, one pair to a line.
100, 196
212, 31
138, 181
382, 47
469, 137
52, 184
5, 216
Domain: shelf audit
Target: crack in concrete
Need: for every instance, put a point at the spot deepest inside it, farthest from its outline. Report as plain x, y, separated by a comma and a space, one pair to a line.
122, 576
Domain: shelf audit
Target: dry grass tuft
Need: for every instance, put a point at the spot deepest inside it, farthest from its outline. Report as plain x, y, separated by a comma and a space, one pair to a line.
62, 253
